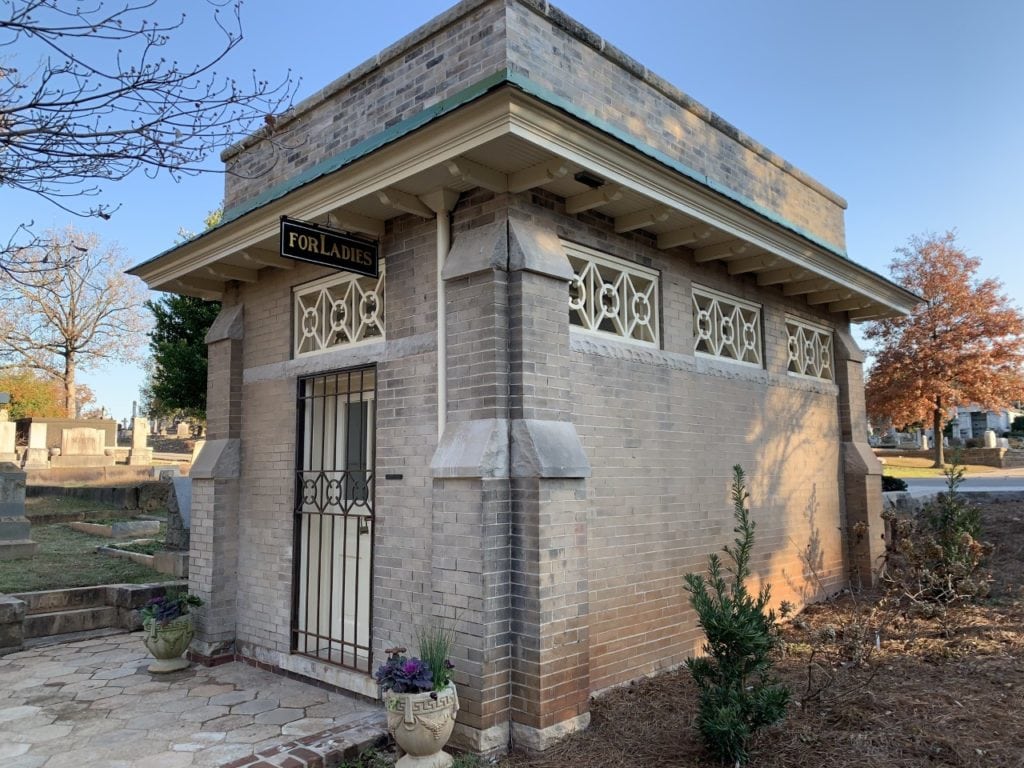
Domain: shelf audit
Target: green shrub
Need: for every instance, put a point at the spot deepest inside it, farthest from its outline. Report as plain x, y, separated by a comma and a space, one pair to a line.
935, 556
737, 695
893, 484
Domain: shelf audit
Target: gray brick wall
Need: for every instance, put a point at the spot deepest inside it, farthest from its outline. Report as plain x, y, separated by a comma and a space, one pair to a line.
439, 60
478, 38
660, 427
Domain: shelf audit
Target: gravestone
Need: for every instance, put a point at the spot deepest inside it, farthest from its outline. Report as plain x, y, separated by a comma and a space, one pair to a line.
990, 439
37, 455
15, 531
179, 514
140, 454
184, 430
1004, 443
82, 447
925, 442
7, 438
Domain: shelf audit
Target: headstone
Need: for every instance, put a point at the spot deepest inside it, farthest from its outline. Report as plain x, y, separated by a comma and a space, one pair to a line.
7, 441
184, 429
924, 442
179, 514
81, 441
1004, 443
139, 454
82, 447
15, 531
990, 438
36, 455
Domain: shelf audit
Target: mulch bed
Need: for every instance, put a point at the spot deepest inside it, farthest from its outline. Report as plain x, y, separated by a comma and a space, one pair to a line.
872, 683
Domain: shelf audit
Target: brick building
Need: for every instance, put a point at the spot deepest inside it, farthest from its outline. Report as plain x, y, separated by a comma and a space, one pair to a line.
532, 433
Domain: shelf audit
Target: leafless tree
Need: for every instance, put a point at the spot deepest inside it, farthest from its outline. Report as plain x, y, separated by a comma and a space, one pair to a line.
87, 97
82, 312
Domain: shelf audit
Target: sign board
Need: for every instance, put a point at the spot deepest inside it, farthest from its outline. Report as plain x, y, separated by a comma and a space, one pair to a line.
305, 241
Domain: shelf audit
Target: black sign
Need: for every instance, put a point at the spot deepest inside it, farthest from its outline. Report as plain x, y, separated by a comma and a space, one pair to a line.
305, 241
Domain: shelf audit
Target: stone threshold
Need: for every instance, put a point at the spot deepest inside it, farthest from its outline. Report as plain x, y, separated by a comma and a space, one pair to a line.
326, 749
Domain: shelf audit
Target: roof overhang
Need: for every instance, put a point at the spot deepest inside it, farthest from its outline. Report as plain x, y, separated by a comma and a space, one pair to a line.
507, 139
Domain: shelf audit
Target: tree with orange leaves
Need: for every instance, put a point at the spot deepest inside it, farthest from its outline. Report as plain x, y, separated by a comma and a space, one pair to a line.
964, 345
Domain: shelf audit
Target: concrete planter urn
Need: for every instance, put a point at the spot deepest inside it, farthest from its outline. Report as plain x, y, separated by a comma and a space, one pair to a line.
167, 641
421, 724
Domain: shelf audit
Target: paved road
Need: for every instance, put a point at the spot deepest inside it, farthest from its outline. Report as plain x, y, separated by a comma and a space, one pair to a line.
1000, 480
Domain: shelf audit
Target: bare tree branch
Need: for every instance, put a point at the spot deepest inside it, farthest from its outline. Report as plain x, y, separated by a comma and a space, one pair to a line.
103, 102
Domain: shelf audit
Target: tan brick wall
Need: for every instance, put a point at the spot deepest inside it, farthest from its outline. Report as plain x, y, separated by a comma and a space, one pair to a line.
567, 60
406, 436
660, 427
531, 39
662, 430
404, 79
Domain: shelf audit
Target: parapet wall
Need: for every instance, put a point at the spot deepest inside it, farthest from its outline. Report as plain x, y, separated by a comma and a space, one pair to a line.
530, 42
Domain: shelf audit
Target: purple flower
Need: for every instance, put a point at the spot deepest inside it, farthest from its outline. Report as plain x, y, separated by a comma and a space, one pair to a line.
403, 675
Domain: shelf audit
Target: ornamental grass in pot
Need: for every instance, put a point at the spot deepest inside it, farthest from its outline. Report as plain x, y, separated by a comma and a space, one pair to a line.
168, 630
421, 700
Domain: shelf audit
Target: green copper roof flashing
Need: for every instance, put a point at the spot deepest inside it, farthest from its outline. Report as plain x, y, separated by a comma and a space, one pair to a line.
480, 88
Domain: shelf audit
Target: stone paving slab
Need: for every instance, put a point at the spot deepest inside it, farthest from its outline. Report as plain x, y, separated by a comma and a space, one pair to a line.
92, 703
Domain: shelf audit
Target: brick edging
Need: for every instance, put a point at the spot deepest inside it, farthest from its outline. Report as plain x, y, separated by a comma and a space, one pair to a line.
325, 749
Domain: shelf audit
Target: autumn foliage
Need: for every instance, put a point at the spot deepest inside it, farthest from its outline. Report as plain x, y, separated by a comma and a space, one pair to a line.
964, 345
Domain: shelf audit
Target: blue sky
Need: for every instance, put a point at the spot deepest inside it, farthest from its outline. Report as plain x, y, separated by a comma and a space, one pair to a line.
911, 110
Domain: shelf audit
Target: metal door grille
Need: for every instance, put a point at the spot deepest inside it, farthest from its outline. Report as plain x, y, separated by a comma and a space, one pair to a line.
334, 518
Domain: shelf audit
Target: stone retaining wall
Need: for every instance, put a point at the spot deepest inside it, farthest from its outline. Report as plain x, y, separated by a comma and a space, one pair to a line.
986, 457
126, 599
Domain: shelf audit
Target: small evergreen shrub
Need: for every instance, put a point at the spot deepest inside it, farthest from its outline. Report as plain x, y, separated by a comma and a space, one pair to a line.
935, 556
893, 484
737, 694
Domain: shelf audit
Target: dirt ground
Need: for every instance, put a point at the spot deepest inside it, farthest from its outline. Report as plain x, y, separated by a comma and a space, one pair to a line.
871, 685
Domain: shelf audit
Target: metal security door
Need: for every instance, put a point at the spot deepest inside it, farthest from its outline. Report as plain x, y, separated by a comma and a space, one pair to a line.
334, 520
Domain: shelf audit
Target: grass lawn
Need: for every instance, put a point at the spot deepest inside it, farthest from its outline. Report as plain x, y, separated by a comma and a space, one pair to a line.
68, 558
72, 508
903, 466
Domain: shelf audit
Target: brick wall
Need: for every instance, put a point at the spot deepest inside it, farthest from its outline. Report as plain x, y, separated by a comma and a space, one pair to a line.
437, 61
406, 437
663, 429
478, 38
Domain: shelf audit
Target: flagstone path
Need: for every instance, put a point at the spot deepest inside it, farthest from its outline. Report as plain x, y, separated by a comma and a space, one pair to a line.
92, 703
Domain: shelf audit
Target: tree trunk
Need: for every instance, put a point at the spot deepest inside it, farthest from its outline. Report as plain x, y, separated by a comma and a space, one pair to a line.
937, 429
70, 391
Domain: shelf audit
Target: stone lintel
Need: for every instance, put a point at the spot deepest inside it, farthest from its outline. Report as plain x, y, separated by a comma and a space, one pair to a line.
539, 739
228, 325
846, 348
476, 448
477, 250
219, 460
547, 449
537, 249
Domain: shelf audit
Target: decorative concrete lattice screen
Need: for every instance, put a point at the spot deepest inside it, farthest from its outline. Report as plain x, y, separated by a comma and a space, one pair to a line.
339, 310
810, 349
611, 297
726, 327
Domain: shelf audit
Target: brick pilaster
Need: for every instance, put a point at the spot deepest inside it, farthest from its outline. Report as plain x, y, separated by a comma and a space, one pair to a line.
213, 560
551, 656
862, 472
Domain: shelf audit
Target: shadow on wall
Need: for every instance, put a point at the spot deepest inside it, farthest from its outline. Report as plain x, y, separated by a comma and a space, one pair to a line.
795, 495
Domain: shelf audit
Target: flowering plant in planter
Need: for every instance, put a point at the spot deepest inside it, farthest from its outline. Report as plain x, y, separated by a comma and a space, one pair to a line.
421, 700
402, 675
169, 629
166, 608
